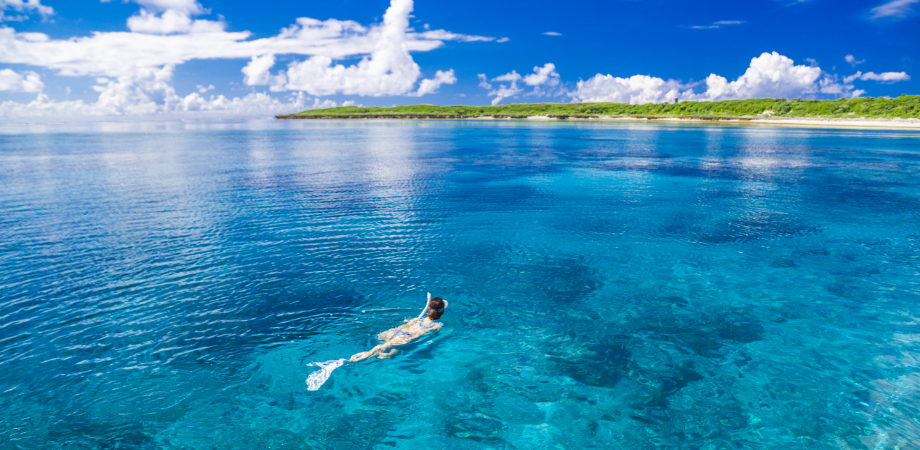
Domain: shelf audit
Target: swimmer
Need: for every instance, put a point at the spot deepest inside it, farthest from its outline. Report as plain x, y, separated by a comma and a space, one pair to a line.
404, 334
391, 338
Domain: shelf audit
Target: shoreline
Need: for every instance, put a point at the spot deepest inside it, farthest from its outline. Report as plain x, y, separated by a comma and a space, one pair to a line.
911, 124
832, 122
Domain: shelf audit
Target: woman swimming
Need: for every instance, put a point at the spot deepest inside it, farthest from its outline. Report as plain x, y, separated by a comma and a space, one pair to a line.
393, 337
404, 334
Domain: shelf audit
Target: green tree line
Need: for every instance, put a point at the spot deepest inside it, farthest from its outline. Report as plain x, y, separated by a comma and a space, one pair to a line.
905, 106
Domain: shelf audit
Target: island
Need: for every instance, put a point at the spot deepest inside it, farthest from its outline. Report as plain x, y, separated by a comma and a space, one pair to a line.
899, 112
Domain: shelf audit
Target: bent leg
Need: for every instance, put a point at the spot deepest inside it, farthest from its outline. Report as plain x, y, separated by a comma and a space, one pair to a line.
374, 351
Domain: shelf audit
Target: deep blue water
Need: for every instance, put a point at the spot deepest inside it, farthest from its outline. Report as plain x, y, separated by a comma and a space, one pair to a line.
610, 285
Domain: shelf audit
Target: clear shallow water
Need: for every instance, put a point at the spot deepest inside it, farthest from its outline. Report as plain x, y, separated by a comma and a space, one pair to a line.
610, 285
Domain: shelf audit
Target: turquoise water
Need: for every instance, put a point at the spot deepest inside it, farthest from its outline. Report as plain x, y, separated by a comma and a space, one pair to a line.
164, 286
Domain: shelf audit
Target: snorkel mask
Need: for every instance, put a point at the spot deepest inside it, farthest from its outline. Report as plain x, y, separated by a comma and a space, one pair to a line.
422, 315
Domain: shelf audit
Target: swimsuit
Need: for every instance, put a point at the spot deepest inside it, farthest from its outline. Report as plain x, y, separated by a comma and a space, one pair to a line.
421, 324
430, 324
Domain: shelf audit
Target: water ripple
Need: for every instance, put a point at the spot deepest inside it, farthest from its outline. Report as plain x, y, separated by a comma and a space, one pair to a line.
610, 285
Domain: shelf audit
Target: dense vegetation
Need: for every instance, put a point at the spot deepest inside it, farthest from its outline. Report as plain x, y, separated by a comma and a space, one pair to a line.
905, 106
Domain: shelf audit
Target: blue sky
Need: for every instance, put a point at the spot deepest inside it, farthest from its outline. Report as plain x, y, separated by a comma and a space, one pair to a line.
178, 58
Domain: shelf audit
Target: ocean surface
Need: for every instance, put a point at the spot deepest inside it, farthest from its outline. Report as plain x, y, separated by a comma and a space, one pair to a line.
611, 286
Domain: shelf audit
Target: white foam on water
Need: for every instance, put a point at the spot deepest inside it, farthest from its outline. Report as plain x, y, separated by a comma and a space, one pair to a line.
316, 379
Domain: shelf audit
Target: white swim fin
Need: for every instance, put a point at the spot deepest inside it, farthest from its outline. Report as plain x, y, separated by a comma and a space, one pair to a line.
319, 377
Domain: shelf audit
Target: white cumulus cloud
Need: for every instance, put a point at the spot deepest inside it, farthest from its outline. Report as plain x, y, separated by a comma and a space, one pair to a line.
170, 16
543, 75
188, 7
137, 65
388, 69
769, 75
542, 79
635, 89
121, 99
25, 7
118, 53
258, 72
512, 76
20, 82
504, 91
170, 21
431, 86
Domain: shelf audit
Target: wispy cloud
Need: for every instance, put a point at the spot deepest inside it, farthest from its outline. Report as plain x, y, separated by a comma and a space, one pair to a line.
895, 8
717, 24
552, 33
884, 77
484, 81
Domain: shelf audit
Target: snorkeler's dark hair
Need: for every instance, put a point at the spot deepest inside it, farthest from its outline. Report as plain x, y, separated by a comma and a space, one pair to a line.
435, 308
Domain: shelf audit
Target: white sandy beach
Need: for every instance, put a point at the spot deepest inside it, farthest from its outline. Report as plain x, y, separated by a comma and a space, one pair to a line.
856, 122
776, 121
